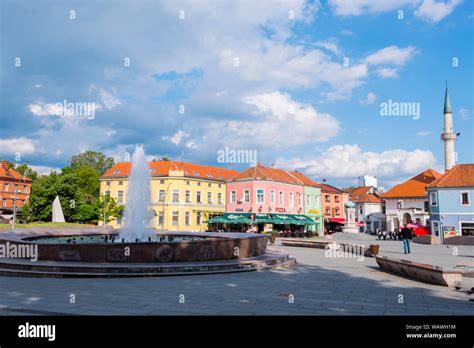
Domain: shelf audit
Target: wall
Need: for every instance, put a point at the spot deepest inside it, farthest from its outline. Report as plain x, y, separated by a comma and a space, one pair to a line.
266, 206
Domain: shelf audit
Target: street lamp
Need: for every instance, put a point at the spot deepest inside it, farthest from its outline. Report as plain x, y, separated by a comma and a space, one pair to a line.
105, 203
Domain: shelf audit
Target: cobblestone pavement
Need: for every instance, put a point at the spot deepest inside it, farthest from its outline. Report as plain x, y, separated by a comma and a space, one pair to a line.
317, 285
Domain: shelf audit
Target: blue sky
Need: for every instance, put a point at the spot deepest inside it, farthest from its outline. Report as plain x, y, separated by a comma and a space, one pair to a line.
299, 82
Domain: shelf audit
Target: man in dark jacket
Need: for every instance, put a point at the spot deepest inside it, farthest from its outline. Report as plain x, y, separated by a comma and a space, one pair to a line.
407, 235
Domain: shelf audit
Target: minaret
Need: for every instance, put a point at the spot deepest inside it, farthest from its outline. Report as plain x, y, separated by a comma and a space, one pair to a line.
448, 136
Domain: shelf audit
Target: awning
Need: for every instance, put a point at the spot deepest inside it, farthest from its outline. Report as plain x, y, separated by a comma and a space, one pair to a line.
292, 219
337, 220
233, 218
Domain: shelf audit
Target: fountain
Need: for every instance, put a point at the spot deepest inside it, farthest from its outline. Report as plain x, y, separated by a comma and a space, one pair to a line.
137, 249
137, 215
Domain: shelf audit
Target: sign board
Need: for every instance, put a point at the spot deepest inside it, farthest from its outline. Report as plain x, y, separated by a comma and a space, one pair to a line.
280, 210
239, 209
313, 211
449, 231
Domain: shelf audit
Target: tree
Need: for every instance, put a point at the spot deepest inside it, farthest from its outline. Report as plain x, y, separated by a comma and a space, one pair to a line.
113, 209
26, 170
96, 160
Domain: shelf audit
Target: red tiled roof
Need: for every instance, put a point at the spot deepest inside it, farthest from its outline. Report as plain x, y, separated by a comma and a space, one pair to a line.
461, 175
362, 194
414, 187
304, 179
9, 173
262, 173
330, 189
162, 168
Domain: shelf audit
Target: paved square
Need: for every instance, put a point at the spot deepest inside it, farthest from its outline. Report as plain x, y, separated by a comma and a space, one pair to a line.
317, 285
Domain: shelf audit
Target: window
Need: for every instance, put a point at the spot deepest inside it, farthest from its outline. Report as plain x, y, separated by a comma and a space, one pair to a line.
272, 197
337, 211
465, 198
291, 200
161, 219
360, 210
246, 196
260, 196
220, 185
175, 218
336, 199
233, 197
219, 198
328, 210
199, 183
120, 183
467, 229
400, 204
188, 196
433, 199
198, 218
426, 206
162, 182
281, 198
198, 197
187, 182
25, 189
327, 198
120, 197
107, 183
384, 209
308, 200
187, 218
209, 198
300, 199
175, 196
161, 196
209, 185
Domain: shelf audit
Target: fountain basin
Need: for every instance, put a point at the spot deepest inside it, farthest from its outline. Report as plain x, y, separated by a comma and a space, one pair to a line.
178, 247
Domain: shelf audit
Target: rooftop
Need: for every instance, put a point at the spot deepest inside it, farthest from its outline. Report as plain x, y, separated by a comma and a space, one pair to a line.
461, 175
362, 194
414, 187
162, 168
7, 172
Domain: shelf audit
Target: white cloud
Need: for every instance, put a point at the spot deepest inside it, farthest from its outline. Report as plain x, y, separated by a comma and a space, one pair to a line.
349, 161
369, 99
275, 121
21, 145
434, 11
177, 137
359, 7
45, 170
387, 73
391, 55
330, 45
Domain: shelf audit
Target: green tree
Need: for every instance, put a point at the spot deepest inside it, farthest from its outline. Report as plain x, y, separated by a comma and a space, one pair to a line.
96, 160
26, 170
114, 210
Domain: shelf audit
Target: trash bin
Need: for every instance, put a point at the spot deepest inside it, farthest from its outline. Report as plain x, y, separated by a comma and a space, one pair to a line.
374, 249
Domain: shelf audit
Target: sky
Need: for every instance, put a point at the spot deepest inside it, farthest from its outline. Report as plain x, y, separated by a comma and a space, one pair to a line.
301, 84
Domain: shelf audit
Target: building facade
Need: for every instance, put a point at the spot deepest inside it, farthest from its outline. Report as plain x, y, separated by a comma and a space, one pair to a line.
312, 201
183, 195
332, 204
450, 200
369, 208
408, 202
14, 190
263, 189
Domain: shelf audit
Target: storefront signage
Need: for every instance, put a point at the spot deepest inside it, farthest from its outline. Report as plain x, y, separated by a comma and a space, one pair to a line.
239, 209
449, 231
313, 211
280, 210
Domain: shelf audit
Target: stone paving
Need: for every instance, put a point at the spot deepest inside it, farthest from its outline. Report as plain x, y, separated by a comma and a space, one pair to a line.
318, 285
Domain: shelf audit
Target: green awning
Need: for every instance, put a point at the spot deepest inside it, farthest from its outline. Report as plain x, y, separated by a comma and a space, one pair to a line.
292, 219
236, 218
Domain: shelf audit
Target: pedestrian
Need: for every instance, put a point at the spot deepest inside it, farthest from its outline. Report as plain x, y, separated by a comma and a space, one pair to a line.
407, 235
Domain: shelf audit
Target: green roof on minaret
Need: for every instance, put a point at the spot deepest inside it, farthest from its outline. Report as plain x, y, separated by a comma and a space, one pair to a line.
447, 102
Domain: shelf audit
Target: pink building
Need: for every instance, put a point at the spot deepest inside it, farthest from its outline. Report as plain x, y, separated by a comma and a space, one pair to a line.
263, 189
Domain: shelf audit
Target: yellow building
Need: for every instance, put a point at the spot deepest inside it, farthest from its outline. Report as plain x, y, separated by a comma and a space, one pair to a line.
183, 194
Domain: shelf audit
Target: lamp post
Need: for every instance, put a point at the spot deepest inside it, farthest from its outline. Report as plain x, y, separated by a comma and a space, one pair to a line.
105, 204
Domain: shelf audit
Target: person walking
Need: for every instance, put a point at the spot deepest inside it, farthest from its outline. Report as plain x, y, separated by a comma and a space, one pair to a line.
407, 235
